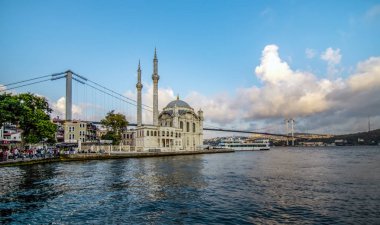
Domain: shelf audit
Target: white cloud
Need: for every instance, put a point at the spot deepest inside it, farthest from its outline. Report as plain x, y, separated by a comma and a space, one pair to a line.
367, 75
59, 109
322, 103
310, 53
332, 57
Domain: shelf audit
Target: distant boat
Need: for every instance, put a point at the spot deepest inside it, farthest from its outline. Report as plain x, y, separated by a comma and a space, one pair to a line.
238, 145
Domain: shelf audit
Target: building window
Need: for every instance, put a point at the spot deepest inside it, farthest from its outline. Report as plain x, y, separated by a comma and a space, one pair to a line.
194, 127
163, 133
147, 133
187, 127
155, 133
167, 133
171, 134
151, 133
181, 125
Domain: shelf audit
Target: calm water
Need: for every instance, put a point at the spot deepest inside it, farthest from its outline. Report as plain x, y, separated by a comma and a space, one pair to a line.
283, 185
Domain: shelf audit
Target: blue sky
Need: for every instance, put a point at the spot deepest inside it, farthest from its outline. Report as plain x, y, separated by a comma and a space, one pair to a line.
217, 44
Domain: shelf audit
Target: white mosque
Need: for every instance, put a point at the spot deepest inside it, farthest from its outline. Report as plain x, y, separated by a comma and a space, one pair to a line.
176, 128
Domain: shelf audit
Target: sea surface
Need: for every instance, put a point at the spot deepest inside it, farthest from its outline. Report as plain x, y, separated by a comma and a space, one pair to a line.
329, 185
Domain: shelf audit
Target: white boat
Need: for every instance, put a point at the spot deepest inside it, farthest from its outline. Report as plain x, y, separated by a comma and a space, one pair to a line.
238, 145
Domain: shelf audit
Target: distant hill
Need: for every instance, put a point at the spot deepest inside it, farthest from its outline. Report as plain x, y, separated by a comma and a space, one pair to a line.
365, 138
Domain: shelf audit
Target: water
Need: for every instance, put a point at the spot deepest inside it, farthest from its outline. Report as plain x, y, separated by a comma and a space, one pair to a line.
280, 186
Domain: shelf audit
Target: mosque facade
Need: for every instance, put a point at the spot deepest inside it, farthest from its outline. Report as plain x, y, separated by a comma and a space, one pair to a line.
176, 128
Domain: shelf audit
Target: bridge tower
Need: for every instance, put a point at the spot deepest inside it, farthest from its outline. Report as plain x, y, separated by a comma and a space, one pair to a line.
69, 94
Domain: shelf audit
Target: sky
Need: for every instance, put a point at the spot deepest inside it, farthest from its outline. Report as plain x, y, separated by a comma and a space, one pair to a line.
247, 64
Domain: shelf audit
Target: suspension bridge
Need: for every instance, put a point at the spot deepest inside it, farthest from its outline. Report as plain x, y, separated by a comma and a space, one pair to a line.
125, 102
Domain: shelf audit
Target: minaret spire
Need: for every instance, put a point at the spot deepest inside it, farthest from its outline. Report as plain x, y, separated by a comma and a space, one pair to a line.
139, 86
155, 78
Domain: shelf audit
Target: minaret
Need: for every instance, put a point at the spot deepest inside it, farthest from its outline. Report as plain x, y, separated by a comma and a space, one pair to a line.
139, 86
155, 79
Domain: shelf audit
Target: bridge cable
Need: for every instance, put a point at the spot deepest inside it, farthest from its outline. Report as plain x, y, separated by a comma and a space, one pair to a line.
36, 78
108, 89
25, 85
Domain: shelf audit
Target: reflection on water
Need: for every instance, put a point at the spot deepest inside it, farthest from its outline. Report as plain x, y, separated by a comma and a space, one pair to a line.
283, 185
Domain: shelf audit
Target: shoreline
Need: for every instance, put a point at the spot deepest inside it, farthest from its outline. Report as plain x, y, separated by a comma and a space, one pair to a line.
105, 156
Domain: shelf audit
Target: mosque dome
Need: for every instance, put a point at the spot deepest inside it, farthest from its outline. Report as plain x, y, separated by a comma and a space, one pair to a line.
178, 103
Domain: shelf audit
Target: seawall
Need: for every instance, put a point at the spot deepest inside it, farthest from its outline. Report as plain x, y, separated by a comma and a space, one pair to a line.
104, 156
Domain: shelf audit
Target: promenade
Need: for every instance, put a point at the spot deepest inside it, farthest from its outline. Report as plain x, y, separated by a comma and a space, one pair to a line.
104, 156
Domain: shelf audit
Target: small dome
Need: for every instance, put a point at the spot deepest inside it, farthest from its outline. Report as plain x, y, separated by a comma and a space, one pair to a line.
178, 103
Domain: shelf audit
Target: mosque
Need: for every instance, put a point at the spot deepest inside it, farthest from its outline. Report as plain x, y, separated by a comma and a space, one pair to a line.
176, 128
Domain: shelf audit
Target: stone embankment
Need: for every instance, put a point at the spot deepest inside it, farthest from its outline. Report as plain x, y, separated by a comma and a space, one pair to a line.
103, 156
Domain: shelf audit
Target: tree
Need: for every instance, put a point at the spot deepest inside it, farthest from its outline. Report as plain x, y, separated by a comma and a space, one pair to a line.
115, 123
31, 114
10, 109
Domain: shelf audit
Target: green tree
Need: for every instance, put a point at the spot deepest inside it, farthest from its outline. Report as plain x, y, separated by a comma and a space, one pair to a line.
31, 114
10, 109
115, 123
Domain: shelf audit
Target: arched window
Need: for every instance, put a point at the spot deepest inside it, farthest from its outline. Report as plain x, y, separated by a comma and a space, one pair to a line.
194, 127
187, 127
181, 125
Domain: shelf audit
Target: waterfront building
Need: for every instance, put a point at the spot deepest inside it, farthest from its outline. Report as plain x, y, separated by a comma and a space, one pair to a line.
75, 131
177, 127
9, 133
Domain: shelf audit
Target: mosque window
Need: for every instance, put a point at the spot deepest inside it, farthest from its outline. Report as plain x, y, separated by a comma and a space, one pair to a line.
181, 125
187, 127
194, 127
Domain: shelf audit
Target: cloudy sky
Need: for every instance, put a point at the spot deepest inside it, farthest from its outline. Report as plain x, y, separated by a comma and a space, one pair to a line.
247, 64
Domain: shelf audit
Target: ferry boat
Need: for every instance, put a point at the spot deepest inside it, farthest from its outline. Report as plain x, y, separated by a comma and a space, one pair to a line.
238, 145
